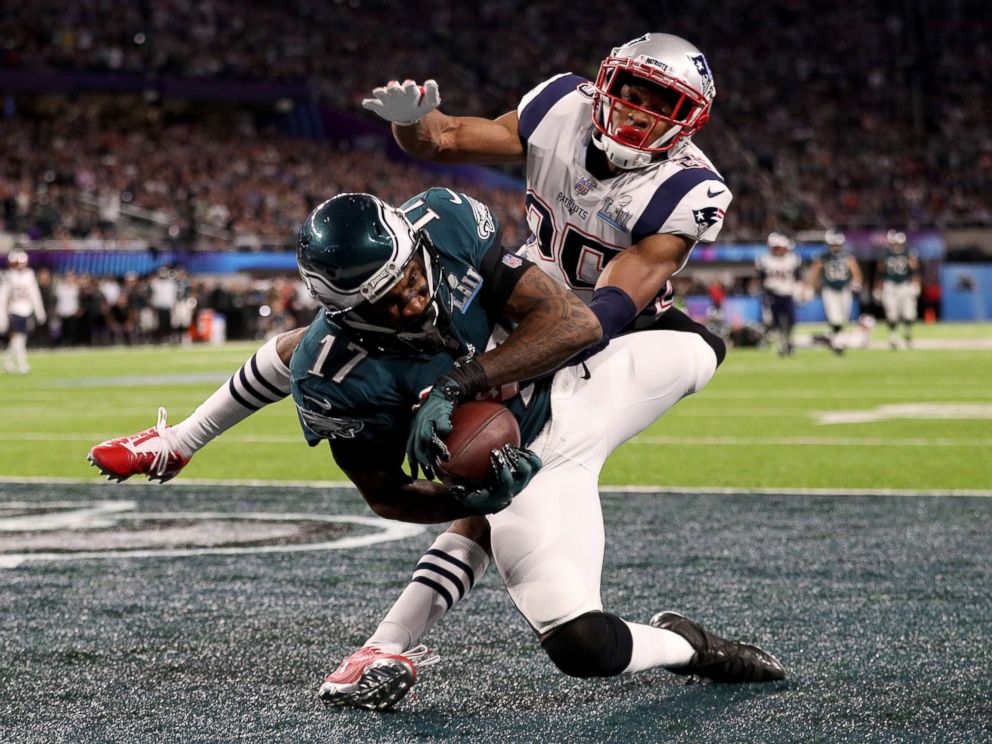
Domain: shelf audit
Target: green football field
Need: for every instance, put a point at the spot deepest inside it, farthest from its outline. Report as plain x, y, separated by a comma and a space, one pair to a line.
835, 510
871, 419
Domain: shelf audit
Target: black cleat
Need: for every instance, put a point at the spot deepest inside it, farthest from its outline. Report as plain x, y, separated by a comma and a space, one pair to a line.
716, 658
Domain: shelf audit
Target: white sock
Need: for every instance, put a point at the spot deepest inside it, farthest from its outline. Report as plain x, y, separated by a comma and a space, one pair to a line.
442, 578
19, 346
262, 380
654, 647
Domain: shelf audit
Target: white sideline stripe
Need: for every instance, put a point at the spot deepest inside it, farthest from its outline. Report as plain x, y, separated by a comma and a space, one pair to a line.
727, 491
38, 436
604, 489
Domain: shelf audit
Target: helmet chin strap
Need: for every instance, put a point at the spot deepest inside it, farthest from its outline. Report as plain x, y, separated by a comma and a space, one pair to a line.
626, 157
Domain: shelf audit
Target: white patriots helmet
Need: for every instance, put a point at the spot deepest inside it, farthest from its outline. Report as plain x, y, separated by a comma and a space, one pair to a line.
17, 259
662, 61
778, 240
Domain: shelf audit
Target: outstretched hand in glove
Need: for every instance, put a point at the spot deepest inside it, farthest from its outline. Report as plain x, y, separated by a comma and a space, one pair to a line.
405, 103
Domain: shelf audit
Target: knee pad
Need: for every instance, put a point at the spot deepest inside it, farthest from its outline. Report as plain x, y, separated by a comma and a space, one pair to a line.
596, 644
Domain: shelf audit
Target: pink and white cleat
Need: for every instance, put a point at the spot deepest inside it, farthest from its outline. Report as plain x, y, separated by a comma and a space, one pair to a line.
153, 452
375, 680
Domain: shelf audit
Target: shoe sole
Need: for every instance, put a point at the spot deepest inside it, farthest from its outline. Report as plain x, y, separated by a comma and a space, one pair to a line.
379, 688
115, 478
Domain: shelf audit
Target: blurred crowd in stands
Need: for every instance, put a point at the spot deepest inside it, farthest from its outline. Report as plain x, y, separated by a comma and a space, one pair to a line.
116, 167
846, 113
86, 310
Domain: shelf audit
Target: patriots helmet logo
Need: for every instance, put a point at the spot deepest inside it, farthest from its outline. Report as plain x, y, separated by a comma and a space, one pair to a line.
701, 66
707, 217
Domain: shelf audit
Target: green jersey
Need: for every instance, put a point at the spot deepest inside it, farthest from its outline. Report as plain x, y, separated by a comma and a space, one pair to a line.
836, 269
362, 400
897, 267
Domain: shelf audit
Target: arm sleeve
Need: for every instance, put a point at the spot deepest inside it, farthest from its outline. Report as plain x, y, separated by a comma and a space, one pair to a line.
501, 270
615, 311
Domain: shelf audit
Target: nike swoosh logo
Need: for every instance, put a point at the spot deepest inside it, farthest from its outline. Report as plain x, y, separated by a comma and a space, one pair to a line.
711, 193
585, 371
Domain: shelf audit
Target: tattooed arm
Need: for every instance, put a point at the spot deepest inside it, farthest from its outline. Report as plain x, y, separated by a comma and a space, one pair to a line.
553, 326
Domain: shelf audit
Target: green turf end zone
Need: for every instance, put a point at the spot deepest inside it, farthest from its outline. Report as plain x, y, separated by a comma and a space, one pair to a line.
878, 606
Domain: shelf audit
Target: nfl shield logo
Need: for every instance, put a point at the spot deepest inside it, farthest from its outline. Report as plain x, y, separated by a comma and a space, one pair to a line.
582, 186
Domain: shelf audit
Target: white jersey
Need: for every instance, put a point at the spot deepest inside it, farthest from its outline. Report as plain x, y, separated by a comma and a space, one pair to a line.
578, 222
780, 274
19, 295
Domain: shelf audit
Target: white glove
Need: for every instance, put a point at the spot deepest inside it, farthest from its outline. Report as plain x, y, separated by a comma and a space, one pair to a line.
404, 104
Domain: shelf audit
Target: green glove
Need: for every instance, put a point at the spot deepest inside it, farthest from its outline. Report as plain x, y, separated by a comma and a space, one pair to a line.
513, 467
432, 421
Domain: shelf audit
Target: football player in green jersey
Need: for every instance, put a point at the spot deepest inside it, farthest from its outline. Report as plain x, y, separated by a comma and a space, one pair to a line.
410, 296
420, 297
898, 287
837, 275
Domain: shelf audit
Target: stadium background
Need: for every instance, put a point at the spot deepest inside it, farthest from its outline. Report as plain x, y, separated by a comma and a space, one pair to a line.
182, 143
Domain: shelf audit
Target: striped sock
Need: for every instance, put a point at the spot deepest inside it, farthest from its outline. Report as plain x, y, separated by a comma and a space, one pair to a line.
262, 380
444, 575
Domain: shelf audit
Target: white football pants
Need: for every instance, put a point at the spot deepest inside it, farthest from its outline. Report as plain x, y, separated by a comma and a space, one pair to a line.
836, 305
548, 544
899, 301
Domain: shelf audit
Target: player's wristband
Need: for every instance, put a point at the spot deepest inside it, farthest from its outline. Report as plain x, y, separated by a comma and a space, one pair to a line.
465, 381
615, 311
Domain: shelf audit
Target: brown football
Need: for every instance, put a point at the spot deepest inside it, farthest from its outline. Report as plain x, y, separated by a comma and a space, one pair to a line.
478, 427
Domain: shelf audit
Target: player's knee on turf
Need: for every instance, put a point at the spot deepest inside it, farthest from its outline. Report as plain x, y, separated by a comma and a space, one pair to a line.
596, 644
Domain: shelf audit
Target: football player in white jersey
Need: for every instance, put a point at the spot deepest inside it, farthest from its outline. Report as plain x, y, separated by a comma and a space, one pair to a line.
617, 196
779, 270
20, 300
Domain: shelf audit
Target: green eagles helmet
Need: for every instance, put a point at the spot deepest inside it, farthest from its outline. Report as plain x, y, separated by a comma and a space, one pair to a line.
352, 250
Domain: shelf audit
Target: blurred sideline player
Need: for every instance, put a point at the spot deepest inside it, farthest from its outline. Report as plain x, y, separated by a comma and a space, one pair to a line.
617, 196
20, 300
407, 292
837, 275
898, 286
779, 270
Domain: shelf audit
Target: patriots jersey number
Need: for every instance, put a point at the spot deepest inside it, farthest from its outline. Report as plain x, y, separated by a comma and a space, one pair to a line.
581, 257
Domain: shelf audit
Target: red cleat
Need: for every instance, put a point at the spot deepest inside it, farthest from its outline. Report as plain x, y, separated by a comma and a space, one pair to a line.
375, 680
153, 452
